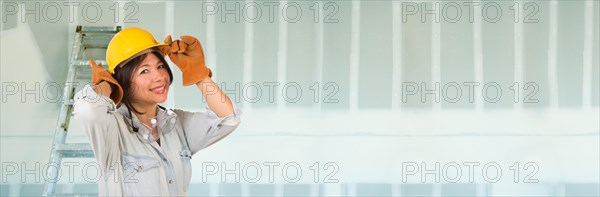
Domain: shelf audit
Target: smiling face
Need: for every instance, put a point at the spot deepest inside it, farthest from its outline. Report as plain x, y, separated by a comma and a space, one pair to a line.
150, 81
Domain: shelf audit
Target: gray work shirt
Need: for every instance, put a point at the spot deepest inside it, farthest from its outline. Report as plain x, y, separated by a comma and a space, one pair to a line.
133, 163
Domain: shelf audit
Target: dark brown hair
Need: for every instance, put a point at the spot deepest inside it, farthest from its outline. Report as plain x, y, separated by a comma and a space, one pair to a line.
124, 75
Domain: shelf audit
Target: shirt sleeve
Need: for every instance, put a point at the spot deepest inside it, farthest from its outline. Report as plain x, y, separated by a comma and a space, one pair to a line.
95, 113
206, 128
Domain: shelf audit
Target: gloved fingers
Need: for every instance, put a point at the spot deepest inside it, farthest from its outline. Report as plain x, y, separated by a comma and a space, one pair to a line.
92, 63
182, 46
193, 44
95, 67
173, 47
165, 50
178, 46
174, 57
189, 40
168, 40
97, 72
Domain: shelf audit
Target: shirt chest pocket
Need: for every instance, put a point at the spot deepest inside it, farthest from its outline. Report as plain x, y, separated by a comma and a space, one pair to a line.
141, 175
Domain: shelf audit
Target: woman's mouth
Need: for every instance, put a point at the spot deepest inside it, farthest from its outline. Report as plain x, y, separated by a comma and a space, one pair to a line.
158, 90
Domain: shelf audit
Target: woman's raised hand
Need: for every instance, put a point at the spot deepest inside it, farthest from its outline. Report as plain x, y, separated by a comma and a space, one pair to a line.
188, 55
105, 84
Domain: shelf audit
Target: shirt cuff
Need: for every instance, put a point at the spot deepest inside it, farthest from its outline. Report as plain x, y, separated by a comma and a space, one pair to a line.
229, 120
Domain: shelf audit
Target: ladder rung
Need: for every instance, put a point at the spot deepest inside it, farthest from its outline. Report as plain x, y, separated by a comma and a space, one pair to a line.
87, 63
74, 150
73, 194
87, 29
95, 46
96, 43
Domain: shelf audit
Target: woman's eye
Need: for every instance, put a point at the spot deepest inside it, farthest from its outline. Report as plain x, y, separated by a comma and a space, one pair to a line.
144, 71
161, 66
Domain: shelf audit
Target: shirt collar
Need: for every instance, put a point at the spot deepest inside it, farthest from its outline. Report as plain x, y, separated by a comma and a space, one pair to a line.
165, 121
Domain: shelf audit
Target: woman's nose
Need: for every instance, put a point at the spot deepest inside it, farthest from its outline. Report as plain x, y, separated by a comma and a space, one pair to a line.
157, 76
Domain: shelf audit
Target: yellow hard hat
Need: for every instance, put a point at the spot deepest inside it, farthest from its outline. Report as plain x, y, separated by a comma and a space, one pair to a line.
126, 44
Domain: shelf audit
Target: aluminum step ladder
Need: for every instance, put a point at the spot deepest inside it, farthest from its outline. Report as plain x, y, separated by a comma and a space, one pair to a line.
90, 42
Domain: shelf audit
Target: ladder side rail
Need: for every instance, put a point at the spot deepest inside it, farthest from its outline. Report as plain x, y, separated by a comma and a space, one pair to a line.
60, 132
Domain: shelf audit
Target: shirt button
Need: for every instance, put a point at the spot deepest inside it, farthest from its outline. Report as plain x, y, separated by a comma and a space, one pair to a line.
173, 120
171, 181
141, 167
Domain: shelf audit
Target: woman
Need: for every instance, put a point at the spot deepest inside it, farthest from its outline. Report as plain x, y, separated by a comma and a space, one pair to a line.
142, 148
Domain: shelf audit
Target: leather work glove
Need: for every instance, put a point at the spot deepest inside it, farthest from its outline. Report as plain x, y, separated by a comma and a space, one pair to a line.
188, 55
99, 75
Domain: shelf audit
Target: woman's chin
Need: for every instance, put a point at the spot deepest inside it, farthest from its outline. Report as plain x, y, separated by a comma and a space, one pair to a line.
159, 98
162, 99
